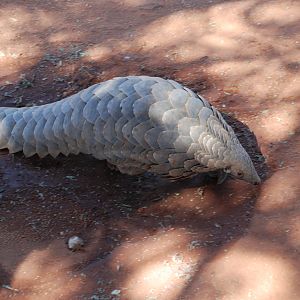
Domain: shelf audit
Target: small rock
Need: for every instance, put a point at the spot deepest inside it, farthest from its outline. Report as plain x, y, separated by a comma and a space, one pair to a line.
194, 244
75, 243
200, 191
116, 292
8, 94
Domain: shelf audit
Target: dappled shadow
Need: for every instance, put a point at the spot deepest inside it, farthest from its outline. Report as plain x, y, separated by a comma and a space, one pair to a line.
4, 276
146, 237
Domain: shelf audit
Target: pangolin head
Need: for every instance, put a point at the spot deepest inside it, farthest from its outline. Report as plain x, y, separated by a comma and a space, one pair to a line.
241, 166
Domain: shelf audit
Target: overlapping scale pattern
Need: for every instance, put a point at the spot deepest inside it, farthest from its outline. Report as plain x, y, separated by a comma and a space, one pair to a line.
137, 123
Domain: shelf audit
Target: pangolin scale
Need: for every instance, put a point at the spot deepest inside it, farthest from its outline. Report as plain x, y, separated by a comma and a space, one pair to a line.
137, 124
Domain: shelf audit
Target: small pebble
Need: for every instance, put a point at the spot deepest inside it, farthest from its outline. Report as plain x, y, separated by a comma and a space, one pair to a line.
75, 243
116, 292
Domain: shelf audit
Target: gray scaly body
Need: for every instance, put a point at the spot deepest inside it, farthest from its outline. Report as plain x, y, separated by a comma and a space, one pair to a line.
137, 123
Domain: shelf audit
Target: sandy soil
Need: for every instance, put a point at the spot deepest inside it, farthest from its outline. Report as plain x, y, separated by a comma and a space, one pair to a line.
145, 238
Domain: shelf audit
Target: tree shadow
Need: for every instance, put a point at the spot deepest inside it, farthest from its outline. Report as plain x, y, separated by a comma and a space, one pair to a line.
78, 195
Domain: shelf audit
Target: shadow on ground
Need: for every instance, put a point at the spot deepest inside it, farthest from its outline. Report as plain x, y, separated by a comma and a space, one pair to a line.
146, 238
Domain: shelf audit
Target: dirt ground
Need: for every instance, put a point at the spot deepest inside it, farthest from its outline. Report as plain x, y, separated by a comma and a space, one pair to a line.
146, 238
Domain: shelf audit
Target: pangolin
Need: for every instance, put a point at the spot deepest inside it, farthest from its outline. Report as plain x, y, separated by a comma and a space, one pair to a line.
138, 124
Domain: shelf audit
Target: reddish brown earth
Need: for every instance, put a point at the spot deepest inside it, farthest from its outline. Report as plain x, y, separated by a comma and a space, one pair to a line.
146, 238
